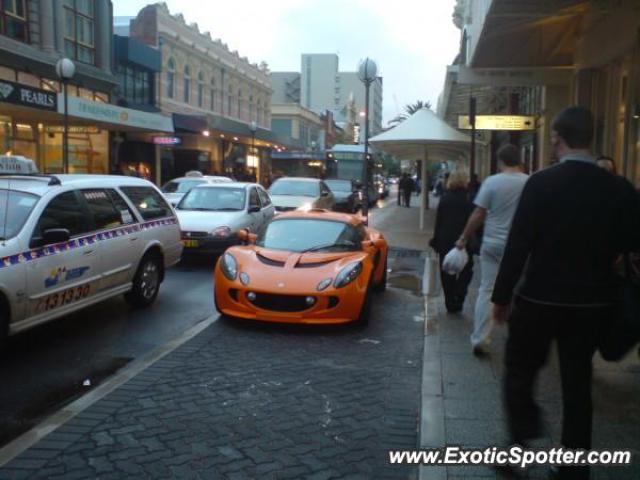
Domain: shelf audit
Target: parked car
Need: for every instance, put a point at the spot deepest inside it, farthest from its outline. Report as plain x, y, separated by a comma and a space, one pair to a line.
347, 197
313, 267
292, 193
69, 241
175, 189
211, 215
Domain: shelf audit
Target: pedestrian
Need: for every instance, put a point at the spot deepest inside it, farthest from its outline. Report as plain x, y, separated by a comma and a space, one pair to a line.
407, 190
474, 186
495, 205
401, 188
454, 209
572, 222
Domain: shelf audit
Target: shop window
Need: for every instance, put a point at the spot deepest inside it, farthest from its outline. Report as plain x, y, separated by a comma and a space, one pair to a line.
200, 89
187, 84
79, 30
13, 20
171, 75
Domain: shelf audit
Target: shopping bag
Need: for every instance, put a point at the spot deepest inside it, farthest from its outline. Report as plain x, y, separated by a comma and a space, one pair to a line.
455, 261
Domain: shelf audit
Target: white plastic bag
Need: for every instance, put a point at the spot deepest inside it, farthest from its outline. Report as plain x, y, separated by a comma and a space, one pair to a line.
455, 261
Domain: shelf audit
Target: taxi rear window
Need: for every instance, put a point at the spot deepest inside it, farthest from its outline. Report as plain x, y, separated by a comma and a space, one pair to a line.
15, 208
148, 201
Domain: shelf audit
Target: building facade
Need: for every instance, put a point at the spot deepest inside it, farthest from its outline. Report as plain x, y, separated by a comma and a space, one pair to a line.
548, 55
320, 86
220, 102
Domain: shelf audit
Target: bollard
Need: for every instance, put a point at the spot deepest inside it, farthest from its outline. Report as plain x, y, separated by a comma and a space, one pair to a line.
432, 274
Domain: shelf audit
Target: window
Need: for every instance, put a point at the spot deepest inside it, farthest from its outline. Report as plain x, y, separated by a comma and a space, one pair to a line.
264, 197
213, 94
148, 201
229, 99
171, 76
13, 20
239, 104
200, 89
79, 30
64, 211
254, 199
126, 213
250, 107
104, 213
187, 84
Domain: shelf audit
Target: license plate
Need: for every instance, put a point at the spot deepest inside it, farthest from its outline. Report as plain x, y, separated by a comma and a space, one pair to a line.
191, 243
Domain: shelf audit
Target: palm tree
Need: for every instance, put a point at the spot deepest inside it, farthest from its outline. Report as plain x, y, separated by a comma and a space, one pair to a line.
410, 110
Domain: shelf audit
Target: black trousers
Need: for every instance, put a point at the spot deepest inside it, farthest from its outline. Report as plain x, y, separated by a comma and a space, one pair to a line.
532, 327
455, 286
407, 197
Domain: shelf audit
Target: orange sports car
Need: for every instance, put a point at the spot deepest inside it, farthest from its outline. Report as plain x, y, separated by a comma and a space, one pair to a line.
305, 267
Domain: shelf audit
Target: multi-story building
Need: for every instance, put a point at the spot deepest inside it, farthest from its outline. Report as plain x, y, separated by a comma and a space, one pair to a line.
323, 87
34, 35
539, 57
220, 102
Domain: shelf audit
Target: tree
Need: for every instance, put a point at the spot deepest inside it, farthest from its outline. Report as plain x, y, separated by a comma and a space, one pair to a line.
410, 110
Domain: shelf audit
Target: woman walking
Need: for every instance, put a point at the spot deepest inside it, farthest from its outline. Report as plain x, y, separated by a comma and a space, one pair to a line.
453, 212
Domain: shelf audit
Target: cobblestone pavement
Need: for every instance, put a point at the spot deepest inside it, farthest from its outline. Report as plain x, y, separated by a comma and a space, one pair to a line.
255, 401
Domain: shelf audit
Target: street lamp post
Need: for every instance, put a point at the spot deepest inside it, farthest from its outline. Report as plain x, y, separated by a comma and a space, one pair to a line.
65, 69
367, 71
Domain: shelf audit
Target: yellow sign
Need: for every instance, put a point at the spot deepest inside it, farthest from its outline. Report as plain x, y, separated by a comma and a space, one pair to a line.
498, 122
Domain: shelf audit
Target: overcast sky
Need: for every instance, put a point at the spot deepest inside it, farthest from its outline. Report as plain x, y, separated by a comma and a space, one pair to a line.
412, 41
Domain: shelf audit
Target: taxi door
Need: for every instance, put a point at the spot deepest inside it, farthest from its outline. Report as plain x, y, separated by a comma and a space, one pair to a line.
66, 274
120, 244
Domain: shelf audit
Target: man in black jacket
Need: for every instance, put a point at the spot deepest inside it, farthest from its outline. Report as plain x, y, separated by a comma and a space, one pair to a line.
573, 221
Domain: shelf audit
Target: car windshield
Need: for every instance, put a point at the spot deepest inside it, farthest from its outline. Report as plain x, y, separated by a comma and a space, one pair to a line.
181, 186
339, 185
213, 199
15, 208
295, 188
302, 234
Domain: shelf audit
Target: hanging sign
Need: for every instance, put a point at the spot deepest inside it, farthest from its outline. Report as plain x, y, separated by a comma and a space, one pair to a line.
498, 122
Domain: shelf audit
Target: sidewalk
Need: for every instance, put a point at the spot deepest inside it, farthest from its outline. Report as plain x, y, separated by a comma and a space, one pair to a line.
462, 397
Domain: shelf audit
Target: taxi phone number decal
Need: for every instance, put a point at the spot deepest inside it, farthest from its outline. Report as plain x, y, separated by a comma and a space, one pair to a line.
62, 298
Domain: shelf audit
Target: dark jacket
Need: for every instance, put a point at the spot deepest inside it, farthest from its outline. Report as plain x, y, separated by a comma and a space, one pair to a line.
453, 212
573, 220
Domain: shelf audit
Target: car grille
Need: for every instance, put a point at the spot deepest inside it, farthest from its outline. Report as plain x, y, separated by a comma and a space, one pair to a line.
281, 303
193, 234
285, 209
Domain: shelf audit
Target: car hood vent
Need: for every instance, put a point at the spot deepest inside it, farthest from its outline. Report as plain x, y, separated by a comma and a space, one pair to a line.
314, 264
270, 261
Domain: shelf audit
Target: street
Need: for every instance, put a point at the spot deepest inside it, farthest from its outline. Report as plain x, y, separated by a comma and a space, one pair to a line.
46, 367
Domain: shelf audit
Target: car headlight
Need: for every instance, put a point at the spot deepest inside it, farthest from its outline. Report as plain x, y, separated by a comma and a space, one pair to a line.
229, 266
305, 208
348, 274
221, 232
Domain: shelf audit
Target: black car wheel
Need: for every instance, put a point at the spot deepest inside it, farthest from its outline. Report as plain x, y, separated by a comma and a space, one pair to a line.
146, 282
382, 285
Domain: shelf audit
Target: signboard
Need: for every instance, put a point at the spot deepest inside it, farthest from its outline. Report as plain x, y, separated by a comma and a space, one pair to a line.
18, 94
108, 113
516, 77
168, 141
72, 129
498, 122
17, 164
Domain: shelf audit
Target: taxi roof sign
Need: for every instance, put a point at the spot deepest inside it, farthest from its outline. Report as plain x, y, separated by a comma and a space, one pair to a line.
17, 165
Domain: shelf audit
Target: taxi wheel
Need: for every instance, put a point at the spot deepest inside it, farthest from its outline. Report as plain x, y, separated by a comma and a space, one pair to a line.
146, 282
382, 285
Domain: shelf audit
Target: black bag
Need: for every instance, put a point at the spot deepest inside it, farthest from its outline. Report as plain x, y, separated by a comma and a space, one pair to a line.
624, 331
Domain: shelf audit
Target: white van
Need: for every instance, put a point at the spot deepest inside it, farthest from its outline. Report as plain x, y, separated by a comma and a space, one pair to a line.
69, 241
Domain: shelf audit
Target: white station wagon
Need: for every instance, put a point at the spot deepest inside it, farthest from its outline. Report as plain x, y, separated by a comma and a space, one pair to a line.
69, 241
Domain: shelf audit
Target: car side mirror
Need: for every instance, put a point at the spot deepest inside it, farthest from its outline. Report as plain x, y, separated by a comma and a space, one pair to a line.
254, 209
243, 235
51, 236
253, 238
367, 244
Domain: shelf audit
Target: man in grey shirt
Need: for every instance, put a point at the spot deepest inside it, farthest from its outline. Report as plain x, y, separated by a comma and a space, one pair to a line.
496, 204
